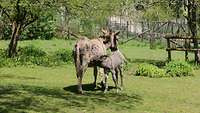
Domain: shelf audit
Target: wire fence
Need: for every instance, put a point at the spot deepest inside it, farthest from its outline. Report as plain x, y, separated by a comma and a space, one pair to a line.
148, 30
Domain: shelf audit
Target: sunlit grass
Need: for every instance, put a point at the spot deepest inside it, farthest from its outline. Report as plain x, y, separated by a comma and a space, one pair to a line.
53, 89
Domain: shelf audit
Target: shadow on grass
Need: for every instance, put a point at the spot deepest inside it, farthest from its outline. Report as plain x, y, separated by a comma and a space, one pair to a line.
21, 98
86, 87
11, 76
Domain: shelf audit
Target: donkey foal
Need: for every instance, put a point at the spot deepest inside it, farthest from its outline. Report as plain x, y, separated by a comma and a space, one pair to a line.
112, 63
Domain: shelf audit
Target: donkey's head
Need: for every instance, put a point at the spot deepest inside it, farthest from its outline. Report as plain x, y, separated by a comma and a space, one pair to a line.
110, 39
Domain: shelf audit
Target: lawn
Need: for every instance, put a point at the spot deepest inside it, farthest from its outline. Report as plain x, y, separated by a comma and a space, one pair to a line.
53, 89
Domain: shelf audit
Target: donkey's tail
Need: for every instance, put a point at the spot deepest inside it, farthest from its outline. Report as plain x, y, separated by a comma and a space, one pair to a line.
77, 58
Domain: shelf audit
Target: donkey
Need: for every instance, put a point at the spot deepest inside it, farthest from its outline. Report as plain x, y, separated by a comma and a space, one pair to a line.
112, 63
86, 50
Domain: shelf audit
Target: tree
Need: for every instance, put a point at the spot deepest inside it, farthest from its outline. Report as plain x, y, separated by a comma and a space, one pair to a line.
22, 13
189, 8
89, 14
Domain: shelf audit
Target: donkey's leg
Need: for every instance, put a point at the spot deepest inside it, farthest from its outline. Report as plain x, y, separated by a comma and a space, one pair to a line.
95, 76
80, 78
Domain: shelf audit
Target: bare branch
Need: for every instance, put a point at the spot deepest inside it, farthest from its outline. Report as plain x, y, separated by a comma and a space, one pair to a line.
27, 23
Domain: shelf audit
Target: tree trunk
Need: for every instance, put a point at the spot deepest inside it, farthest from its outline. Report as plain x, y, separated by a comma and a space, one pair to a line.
12, 49
194, 32
192, 24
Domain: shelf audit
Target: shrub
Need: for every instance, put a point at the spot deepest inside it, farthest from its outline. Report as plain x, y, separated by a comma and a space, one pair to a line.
179, 68
4, 60
3, 53
31, 51
64, 55
31, 55
150, 70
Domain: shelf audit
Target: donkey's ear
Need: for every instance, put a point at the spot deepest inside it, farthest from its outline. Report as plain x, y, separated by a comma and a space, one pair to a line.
104, 31
117, 33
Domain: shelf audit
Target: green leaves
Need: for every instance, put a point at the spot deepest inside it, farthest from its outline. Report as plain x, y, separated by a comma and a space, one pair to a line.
24, 11
31, 55
173, 69
179, 68
150, 70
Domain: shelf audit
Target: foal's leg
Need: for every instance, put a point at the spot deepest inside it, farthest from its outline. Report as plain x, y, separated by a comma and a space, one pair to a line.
116, 74
114, 79
121, 77
101, 74
95, 76
106, 80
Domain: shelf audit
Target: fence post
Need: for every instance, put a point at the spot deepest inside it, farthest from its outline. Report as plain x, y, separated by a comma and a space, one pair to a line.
168, 49
186, 52
172, 27
127, 29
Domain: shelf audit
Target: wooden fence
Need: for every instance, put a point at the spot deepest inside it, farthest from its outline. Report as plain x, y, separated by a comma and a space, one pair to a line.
186, 45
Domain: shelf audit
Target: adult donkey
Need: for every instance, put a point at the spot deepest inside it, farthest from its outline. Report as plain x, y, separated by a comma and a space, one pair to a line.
86, 50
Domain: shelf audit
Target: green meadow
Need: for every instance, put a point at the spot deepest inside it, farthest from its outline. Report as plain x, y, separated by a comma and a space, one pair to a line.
39, 89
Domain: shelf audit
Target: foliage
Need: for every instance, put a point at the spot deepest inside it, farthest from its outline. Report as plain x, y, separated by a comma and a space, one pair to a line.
20, 14
179, 69
174, 69
43, 28
31, 51
31, 55
150, 70
64, 55
90, 15
6, 32
44, 19
4, 61
158, 13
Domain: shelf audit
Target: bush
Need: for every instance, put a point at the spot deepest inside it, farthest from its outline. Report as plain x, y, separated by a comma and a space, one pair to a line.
150, 70
63, 55
4, 60
3, 53
179, 68
31, 51
31, 55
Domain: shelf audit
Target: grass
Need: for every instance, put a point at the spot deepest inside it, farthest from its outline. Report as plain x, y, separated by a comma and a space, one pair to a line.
53, 89
47, 45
